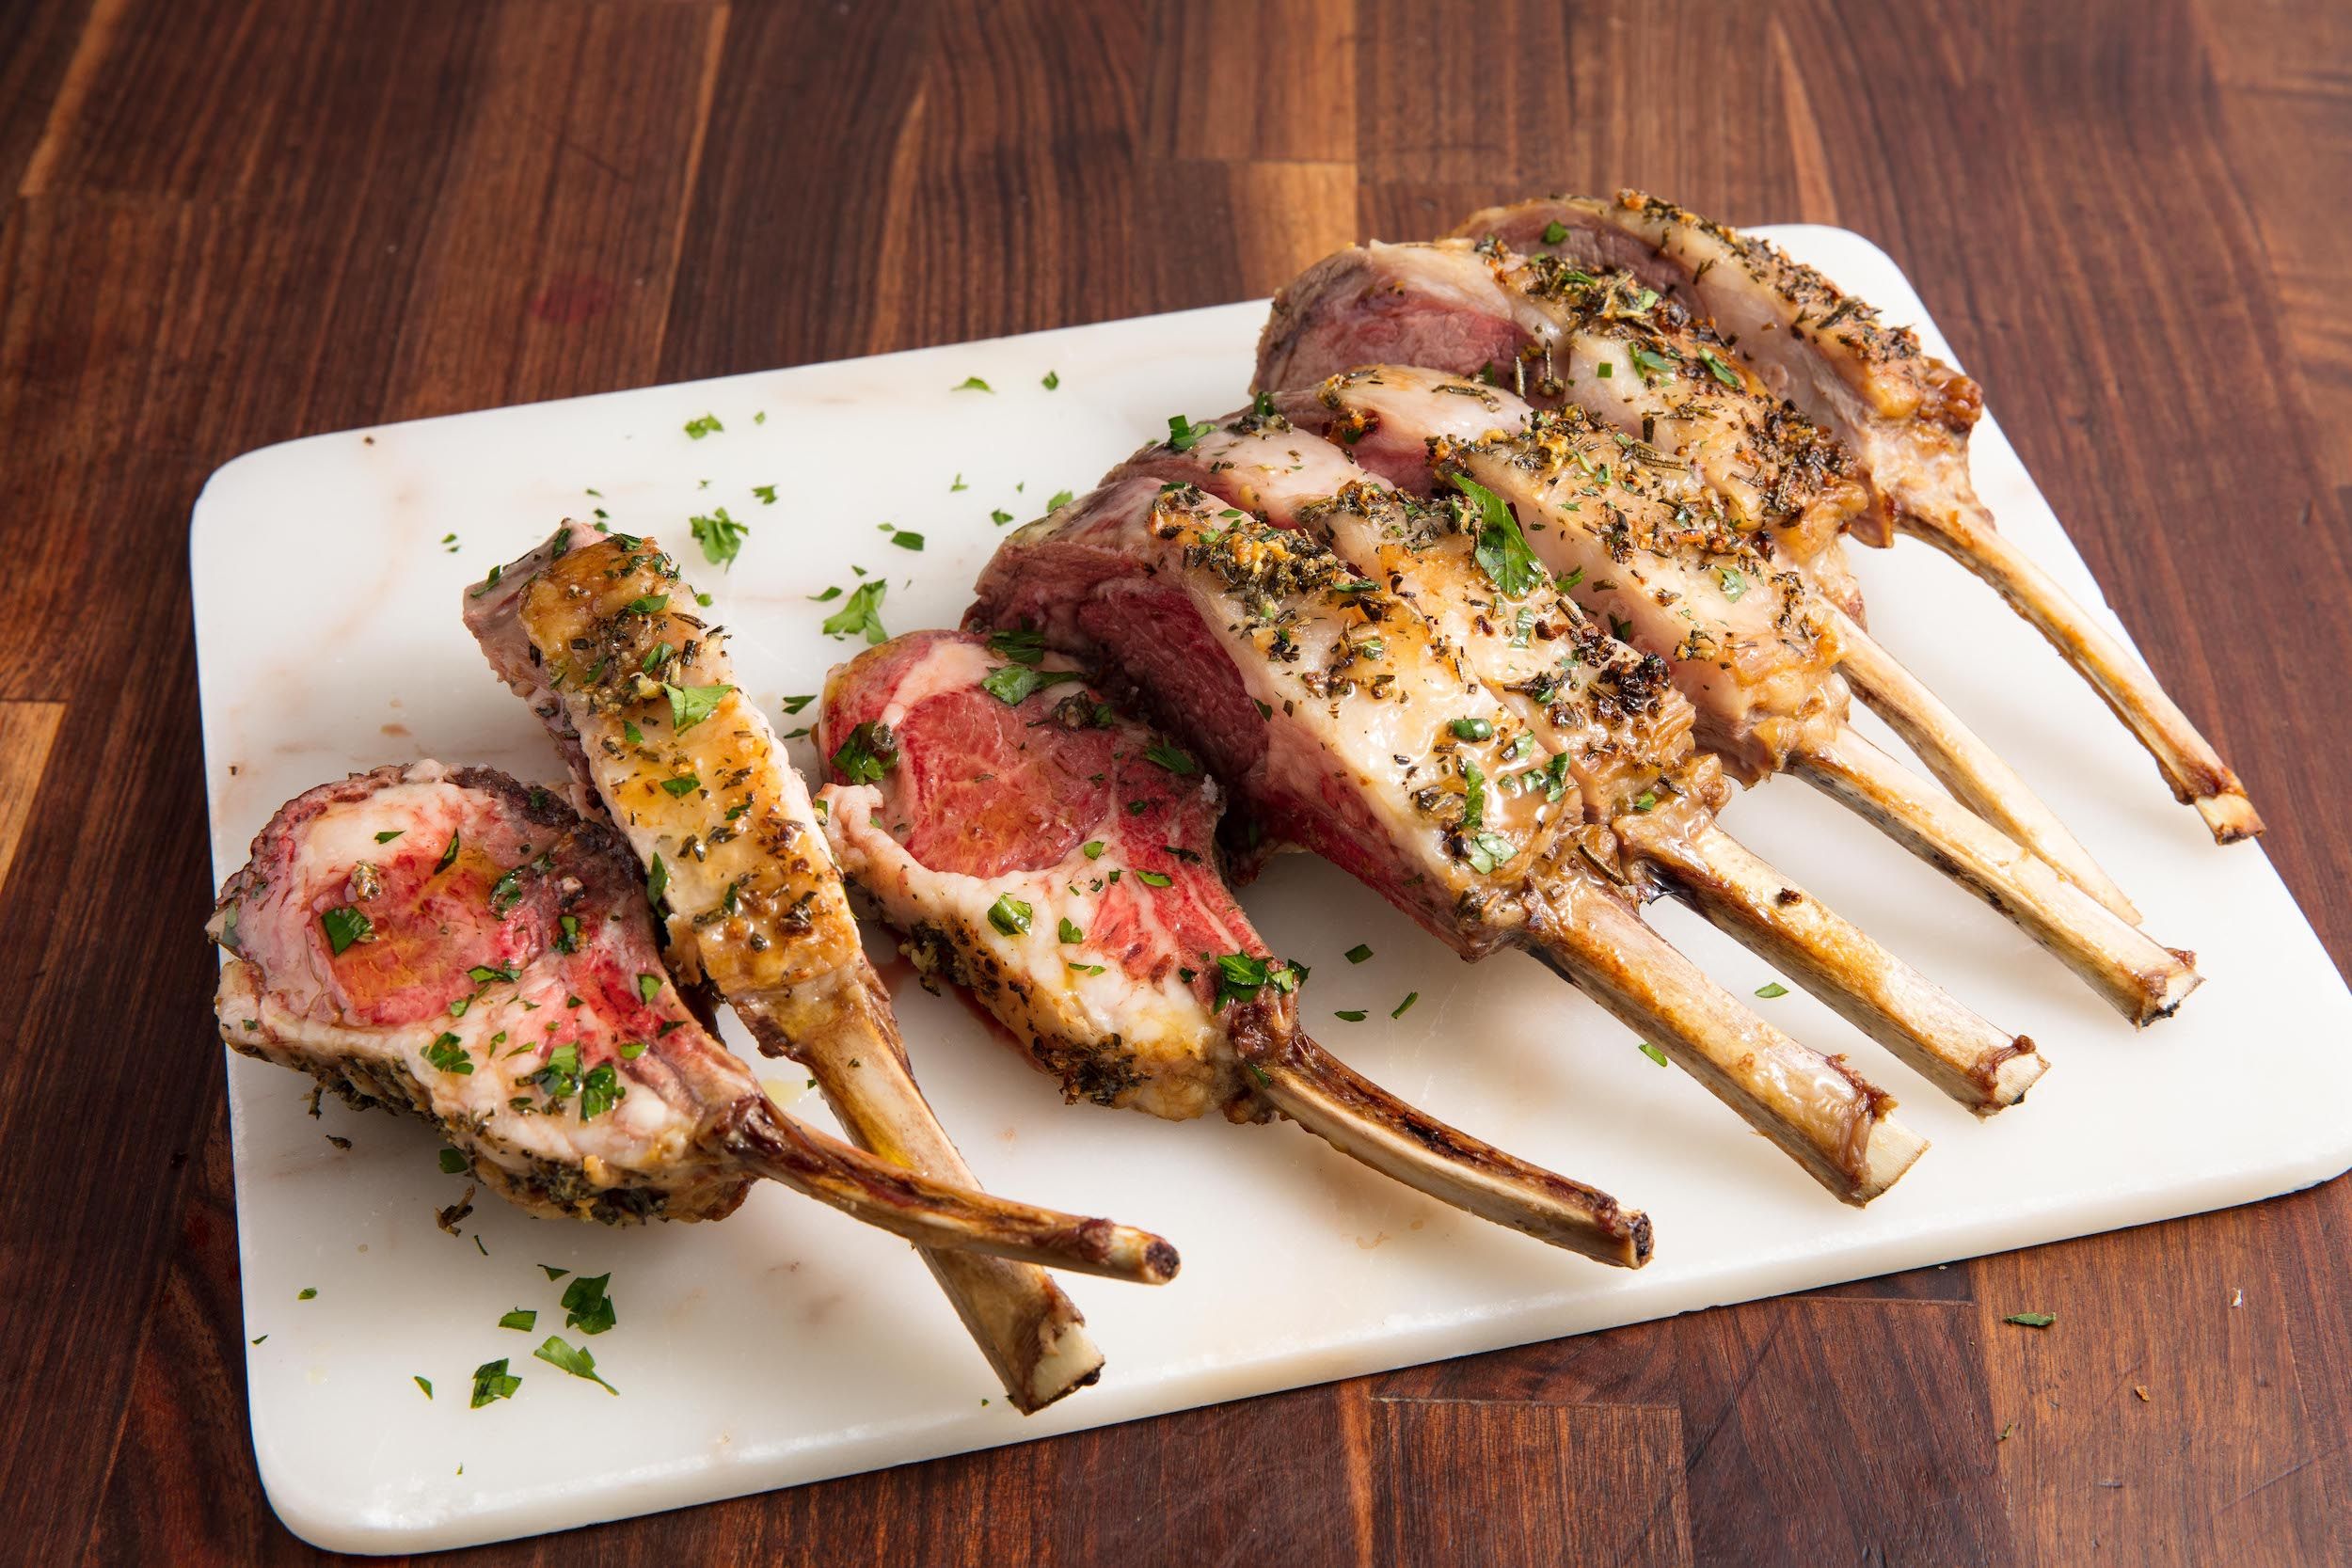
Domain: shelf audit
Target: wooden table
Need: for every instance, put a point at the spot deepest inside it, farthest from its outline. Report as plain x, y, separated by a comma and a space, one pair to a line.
239, 221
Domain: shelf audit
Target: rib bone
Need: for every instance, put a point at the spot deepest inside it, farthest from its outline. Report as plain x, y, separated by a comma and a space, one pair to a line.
759, 910
1054, 858
1903, 412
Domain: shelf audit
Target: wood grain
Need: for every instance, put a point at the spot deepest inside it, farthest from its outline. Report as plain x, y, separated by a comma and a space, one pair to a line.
231, 222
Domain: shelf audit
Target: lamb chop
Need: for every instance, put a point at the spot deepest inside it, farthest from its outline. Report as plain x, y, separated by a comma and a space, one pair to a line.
1350, 727
1752, 645
452, 944
1635, 361
1058, 861
1904, 414
639, 694
1610, 715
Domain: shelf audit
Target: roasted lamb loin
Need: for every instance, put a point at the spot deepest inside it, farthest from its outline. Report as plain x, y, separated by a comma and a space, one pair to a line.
1610, 715
1903, 413
452, 944
1626, 533
598, 635
1058, 861
1350, 726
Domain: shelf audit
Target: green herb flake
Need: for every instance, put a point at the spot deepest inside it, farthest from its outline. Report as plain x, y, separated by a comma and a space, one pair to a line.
648, 986
686, 785
1649, 361
999, 516
867, 753
971, 384
706, 425
389, 834
720, 536
766, 494
344, 926
1402, 1007
794, 704
1472, 729
905, 539
649, 604
449, 856
1009, 914
425, 1383
2032, 1320
1772, 989
1359, 953
448, 1054
600, 1089
690, 705
1734, 585
632, 1050
1651, 1052
1014, 684
1071, 930
587, 1305
1152, 879
491, 1381
574, 1359
656, 882
1555, 231
1719, 368
454, 1163
1184, 434
1502, 552
1350, 1015
553, 1273
1053, 379
1172, 758
522, 1318
861, 613
308, 1292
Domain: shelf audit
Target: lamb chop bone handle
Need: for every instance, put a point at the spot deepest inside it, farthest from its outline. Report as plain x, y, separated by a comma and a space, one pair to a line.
2190, 765
1367, 1123
1964, 765
932, 1213
1030, 1331
2143, 978
1838, 1127
1982, 1066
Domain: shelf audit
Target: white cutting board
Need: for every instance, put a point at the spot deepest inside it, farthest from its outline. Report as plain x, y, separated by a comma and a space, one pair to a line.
789, 1344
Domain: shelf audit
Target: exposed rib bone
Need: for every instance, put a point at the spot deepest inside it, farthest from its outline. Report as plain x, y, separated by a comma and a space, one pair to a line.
1621, 727
1038, 852
2143, 979
810, 991
2194, 770
1903, 412
1964, 765
1355, 731
1365, 1122
1820, 1112
1870, 988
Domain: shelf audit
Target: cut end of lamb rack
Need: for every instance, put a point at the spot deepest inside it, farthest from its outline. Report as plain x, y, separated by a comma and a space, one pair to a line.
1904, 414
1057, 862
639, 694
1353, 729
457, 945
1613, 730
1754, 647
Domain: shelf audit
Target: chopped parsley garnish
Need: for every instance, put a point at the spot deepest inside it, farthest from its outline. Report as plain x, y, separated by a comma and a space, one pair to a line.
971, 384
389, 834
1151, 878
656, 882
449, 856
632, 1050
690, 705
1359, 953
568, 933
706, 425
1014, 684
656, 657
1555, 231
1022, 647
491, 1381
905, 539
1649, 361
720, 536
1184, 434
1082, 968
1502, 552
425, 1383
1410, 997
447, 1054
1069, 931
630, 732
308, 1292
587, 1307
488, 583
766, 494
650, 604
868, 752
452, 1162
600, 1089
484, 974
552, 1272
1352, 1015
1652, 1052
1734, 585
1009, 914
1488, 851
686, 785
861, 614
827, 596
1241, 978
1053, 379
522, 1318
2032, 1320
1474, 796
346, 926
1472, 729
1772, 989
648, 986
999, 516
794, 704
508, 889
1061, 498
1170, 758
574, 1359
1719, 368
1646, 800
